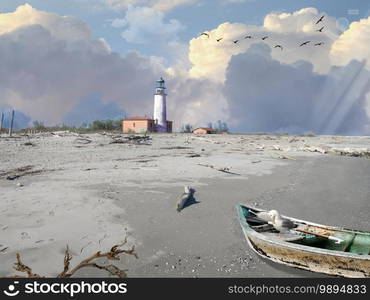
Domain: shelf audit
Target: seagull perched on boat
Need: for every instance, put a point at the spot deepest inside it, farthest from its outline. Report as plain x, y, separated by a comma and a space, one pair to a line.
281, 224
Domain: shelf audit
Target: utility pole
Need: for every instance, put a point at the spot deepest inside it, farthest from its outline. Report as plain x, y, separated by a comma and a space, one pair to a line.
2, 120
11, 124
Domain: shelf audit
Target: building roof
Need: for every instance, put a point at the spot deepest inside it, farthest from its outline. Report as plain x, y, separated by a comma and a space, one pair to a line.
204, 128
138, 119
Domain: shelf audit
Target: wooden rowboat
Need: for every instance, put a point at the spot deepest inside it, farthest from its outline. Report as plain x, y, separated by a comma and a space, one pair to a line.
309, 246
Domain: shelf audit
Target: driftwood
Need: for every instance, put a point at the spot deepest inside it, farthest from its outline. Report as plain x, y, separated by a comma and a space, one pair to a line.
83, 141
132, 139
257, 161
175, 148
185, 197
224, 170
192, 155
19, 172
112, 254
352, 152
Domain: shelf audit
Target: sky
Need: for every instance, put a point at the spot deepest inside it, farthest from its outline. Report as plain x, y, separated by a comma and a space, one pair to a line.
74, 61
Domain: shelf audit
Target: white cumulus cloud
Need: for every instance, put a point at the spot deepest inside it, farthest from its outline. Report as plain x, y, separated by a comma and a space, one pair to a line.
67, 28
49, 76
210, 58
354, 43
147, 25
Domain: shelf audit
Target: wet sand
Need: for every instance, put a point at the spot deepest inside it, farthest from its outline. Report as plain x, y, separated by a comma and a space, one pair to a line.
93, 195
205, 240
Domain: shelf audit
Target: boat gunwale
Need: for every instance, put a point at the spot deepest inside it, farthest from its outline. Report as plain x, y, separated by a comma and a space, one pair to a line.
249, 230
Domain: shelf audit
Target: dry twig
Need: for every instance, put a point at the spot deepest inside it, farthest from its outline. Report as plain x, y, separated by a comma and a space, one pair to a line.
19, 266
112, 254
89, 262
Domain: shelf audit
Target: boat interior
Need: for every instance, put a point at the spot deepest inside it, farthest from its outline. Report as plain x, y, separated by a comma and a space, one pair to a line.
351, 241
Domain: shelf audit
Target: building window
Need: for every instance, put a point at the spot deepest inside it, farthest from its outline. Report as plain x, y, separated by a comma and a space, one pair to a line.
133, 124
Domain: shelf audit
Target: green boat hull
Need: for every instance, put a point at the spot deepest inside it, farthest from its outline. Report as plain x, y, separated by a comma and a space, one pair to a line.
349, 258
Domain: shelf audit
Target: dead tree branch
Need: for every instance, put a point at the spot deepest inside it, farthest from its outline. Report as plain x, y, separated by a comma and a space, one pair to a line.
112, 254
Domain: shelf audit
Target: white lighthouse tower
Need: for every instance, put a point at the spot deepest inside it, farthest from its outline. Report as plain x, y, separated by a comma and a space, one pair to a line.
160, 115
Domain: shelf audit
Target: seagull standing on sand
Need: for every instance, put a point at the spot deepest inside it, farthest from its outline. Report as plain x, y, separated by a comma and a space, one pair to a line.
281, 224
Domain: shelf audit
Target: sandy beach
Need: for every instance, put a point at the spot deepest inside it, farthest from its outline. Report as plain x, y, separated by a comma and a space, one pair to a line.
89, 193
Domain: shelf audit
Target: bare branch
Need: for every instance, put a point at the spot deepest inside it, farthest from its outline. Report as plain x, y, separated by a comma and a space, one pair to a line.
19, 266
112, 254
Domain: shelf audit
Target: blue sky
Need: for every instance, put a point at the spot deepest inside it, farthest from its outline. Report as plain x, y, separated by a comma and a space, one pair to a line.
195, 17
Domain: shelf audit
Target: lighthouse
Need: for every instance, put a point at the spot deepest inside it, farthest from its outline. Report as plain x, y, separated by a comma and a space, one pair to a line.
160, 113
158, 123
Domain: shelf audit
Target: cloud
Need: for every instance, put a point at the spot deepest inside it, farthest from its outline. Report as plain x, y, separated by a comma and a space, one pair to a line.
92, 108
159, 5
294, 99
210, 58
51, 77
352, 44
45, 75
147, 25
57, 75
195, 101
65, 28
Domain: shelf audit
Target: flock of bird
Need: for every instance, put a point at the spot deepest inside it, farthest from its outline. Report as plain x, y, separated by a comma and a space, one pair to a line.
278, 46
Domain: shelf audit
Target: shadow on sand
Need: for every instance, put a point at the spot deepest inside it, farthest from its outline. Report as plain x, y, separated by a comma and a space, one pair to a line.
191, 200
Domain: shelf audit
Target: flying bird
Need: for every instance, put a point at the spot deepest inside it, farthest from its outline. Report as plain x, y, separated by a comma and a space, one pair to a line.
205, 33
320, 20
319, 44
219, 39
235, 41
279, 46
320, 30
265, 37
305, 43
248, 37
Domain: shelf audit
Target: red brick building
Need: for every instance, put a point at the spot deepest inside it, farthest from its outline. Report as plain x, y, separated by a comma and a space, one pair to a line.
141, 125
